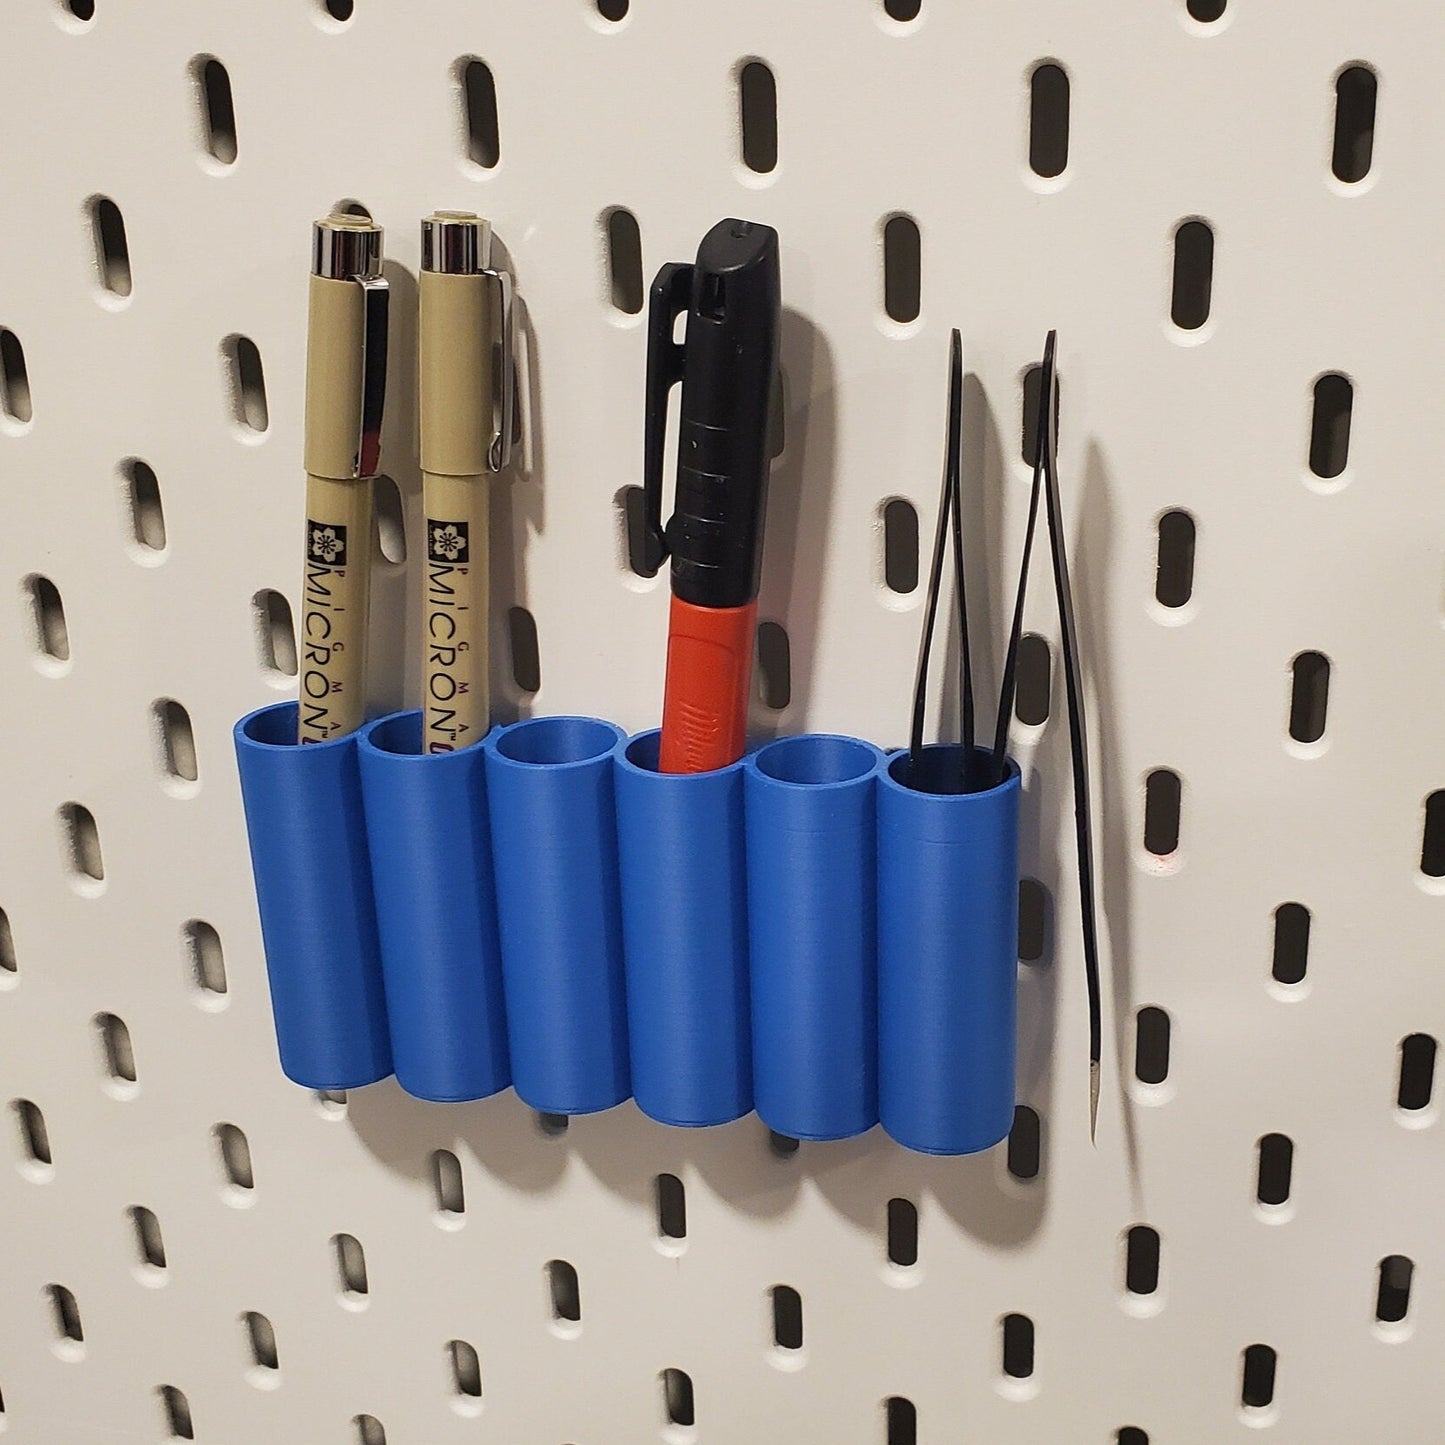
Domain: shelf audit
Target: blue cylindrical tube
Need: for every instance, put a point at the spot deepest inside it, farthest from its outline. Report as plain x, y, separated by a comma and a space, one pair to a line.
431, 870
811, 844
313, 889
947, 955
554, 857
685, 931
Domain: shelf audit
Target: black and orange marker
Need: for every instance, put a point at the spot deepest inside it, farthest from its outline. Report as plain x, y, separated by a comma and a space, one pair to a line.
726, 363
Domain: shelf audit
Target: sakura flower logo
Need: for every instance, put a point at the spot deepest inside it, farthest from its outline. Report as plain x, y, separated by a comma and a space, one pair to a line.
328, 545
447, 542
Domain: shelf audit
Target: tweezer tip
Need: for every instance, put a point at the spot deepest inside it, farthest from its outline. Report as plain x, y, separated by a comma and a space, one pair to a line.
1093, 1101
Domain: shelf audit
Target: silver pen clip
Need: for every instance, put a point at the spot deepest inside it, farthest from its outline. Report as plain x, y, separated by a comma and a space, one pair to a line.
376, 305
503, 404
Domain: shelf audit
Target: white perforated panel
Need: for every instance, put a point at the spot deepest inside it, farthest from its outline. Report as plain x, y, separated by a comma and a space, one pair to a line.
134, 1025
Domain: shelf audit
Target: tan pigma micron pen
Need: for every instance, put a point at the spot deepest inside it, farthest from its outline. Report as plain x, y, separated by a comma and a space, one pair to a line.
345, 385
466, 415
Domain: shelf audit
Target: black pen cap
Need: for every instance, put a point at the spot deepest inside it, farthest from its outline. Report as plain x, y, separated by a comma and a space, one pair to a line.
715, 536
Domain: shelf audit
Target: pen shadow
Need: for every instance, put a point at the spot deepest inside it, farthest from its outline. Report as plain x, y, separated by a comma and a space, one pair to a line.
801, 488
518, 512
1096, 634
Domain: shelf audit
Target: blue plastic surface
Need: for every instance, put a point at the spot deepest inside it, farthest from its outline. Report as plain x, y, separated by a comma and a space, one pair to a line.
947, 957
554, 852
812, 876
685, 933
431, 870
313, 888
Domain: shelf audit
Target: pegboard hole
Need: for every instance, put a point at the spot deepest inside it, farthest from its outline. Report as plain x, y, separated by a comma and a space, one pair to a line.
1257, 1377
1151, 1045
247, 384
1356, 90
1162, 796
8, 963
902, 1233
1141, 1260
172, 725
1432, 841
275, 633
116, 1048
47, 616
150, 1248
390, 514
34, 1136
775, 667
758, 116
369, 1430
466, 1375
82, 846
1034, 680
1033, 381
14, 379
207, 960
1017, 1332
624, 260
900, 546
787, 1317
613, 10
1130, 1435
777, 414
1291, 943
218, 108
901, 1421
479, 113
632, 508
66, 1315
1334, 404
552, 1126
331, 1103
112, 250
564, 1292
447, 1187
902, 10
1417, 1072
902, 268
1048, 120
339, 10
147, 516
782, 1146
1193, 275
671, 1207
678, 1406
1033, 920
350, 1269
1025, 1144
1309, 697
1206, 11
1174, 574
261, 1340
176, 1413
82, 10
235, 1152
526, 660
1392, 1293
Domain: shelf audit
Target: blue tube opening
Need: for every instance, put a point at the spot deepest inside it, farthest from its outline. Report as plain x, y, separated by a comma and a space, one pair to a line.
557, 741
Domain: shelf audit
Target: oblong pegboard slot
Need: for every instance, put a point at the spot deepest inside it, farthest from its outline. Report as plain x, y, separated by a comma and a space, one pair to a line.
218, 108
479, 112
1356, 92
14, 379
176, 1413
1048, 120
758, 116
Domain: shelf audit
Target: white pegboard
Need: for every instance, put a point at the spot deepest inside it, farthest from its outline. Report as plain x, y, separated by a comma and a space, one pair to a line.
1171, 118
